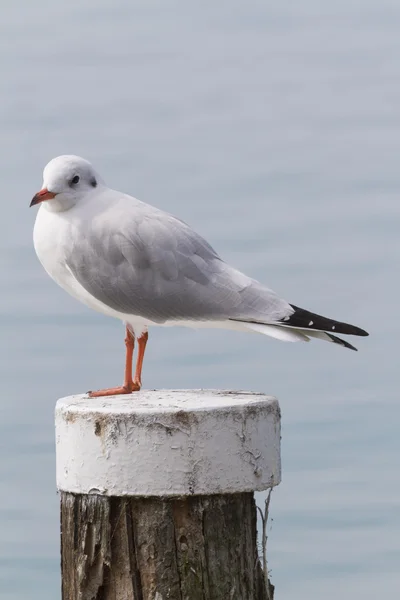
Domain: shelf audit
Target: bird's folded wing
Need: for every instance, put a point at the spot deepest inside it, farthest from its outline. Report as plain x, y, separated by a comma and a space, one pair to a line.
147, 263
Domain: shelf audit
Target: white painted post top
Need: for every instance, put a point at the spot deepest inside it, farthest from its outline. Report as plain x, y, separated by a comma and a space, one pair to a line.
168, 443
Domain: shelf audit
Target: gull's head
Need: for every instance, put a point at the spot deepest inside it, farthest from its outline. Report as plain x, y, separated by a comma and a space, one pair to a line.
66, 180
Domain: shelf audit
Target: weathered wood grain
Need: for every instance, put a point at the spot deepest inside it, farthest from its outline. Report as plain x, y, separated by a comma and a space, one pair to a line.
195, 548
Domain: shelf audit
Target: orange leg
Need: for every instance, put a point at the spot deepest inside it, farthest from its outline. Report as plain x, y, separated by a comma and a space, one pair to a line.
137, 380
128, 386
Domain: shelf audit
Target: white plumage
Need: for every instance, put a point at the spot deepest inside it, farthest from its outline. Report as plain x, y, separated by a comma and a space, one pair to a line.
132, 261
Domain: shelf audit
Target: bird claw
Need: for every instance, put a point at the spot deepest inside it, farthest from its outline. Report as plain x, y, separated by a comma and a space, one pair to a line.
116, 391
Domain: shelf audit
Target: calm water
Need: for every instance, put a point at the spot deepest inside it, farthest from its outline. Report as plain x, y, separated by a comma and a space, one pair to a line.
275, 131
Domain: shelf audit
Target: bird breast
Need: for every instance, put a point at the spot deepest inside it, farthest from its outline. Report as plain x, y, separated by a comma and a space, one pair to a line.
51, 239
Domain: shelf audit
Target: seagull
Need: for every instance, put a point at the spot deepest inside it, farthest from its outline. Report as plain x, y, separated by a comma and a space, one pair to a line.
137, 263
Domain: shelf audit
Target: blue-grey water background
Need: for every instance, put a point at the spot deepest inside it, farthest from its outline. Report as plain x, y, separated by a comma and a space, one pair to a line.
274, 130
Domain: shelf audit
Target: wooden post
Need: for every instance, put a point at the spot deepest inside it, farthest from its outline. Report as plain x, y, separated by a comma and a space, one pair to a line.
157, 494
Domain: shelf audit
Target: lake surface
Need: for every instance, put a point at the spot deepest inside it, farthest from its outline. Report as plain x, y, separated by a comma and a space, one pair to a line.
274, 130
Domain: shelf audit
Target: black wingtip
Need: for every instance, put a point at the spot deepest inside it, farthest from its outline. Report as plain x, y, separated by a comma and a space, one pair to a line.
305, 319
363, 332
341, 342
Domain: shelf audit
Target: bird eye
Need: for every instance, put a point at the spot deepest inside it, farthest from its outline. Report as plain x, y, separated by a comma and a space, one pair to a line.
74, 180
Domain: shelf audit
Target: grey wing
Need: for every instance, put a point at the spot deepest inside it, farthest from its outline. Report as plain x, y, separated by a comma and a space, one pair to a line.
154, 266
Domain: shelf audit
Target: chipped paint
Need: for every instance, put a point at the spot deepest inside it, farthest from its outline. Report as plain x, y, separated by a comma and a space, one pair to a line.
168, 443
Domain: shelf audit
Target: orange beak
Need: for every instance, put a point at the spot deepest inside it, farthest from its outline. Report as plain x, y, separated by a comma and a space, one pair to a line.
44, 194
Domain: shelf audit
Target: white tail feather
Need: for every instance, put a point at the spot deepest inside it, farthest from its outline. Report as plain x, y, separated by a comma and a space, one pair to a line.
285, 334
320, 335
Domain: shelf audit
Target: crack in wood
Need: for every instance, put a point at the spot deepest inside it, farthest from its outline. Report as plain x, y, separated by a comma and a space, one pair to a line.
195, 548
